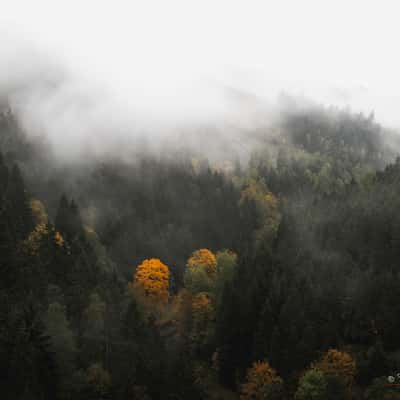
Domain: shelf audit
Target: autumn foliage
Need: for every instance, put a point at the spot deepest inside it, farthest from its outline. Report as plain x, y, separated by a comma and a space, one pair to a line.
339, 364
58, 239
201, 302
152, 276
39, 212
203, 316
259, 377
203, 258
33, 241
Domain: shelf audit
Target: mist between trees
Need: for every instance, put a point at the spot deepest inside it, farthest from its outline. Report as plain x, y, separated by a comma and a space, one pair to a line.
245, 261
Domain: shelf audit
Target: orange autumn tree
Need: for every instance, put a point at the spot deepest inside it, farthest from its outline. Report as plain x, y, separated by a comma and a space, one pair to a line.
152, 277
203, 258
260, 376
339, 364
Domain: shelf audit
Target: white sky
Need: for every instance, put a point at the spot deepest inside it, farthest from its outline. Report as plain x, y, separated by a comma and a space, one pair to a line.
161, 53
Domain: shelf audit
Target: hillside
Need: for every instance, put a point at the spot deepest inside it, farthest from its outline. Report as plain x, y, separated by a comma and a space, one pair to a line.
167, 275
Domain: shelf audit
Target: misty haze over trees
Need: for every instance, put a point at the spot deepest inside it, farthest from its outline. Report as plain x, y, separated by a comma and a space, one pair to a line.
260, 269
199, 200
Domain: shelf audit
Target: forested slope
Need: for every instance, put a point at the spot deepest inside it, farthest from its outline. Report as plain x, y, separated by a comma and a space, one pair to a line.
173, 278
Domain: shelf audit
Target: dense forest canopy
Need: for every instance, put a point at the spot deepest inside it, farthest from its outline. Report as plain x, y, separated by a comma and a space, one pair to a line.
269, 275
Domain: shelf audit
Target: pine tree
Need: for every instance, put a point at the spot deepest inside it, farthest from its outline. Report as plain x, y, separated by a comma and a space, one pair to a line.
68, 220
30, 368
17, 206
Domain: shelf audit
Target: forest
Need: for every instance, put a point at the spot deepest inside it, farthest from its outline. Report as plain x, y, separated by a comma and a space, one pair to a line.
177, 276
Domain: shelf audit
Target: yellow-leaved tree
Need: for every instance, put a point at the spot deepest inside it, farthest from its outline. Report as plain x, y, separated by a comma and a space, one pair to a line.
200, 274
203, 258
35, 238
152, 278
339, 364
32, 243
259, 379
42, 230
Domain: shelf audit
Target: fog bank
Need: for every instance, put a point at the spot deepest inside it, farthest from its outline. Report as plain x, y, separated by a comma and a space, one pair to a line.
94, 77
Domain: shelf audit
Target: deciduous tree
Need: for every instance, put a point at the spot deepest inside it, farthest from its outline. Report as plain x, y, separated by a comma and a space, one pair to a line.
338, 363
203, 258
258, 378
152, 277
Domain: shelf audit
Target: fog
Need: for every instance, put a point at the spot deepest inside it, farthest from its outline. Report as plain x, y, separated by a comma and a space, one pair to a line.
92, 76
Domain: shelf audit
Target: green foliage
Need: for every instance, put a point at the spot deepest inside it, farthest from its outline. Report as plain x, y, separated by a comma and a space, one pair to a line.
28, 367
313, 225
68, 220
197, 280
268, 214
61, 337
312, 386
62, 345
203, 324
226, 269
95, 316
